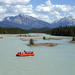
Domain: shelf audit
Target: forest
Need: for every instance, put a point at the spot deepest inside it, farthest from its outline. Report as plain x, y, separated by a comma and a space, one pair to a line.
12, 31
59, 31
62, 31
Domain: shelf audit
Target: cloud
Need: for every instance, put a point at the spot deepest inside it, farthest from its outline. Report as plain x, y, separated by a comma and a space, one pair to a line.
14, 1
54, 11
42, 8
23, 9
42, 17
47, 7
46, 11
72, 14
14, 7
2, 10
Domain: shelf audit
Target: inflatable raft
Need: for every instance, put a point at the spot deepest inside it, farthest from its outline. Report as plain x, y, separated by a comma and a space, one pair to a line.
30, 53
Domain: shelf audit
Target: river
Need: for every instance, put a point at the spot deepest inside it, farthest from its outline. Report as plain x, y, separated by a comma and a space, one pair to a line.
58, 60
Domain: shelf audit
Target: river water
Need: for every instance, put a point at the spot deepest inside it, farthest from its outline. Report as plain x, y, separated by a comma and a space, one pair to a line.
58, 60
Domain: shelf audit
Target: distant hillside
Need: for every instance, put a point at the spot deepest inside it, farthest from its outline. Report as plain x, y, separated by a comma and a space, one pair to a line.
39, 30
12, 31
66, 21
27, 22
23, 21
62, 31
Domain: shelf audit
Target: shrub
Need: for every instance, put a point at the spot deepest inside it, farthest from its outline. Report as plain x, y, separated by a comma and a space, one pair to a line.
31, 42
44, 38
73, 39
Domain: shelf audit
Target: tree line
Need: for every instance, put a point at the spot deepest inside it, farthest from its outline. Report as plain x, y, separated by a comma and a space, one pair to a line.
59, 31
62, 31
12, 31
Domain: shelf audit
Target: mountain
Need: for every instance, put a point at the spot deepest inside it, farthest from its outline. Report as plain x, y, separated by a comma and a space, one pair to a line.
39, 30
66, 21
23, 21
28, 22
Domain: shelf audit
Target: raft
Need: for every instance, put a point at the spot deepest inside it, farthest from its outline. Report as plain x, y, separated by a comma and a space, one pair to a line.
25, 54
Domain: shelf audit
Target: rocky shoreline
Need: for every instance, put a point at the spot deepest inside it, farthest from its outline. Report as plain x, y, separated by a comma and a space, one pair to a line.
44, 44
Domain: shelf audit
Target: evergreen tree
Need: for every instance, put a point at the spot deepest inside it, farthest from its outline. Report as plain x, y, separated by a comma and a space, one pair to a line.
44, 38
31, 42
73, 39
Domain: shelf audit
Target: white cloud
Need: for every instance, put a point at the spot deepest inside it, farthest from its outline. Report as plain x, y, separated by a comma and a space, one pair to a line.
54, 11
43, 17
46, 11
72, 14
13, 7
64, 8
15, 1
47, 7
42, 8
23, 9
2, 10
48, 3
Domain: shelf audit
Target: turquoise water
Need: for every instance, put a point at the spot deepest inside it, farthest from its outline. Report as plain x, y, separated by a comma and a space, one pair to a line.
58, 60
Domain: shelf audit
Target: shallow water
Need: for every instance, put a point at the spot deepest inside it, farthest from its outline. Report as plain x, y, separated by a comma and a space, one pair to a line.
58, 60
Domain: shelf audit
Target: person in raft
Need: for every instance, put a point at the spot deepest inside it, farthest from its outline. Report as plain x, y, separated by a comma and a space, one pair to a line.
25, 51
28, 52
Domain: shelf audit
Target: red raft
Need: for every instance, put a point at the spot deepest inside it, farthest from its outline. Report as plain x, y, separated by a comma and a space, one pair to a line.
26, 53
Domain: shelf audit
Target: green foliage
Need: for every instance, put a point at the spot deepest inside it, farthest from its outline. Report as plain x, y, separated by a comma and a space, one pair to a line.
62, 31
59, 31
31, 42
12, 31
73, 39
44, 38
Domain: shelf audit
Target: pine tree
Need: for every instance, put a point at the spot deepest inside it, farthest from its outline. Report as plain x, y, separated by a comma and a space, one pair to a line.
31, 42
44, 38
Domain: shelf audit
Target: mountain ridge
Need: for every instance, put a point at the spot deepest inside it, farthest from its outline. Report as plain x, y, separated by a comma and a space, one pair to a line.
25, 22
29, 22
66, 21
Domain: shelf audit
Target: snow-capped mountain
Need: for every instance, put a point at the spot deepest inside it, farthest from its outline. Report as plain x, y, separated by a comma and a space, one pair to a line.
66, 21
28, 22
23, 21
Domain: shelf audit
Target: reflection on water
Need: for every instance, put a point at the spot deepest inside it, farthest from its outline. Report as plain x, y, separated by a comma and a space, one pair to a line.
58, 60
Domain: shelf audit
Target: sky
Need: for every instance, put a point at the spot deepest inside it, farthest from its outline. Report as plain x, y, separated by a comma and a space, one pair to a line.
46, 10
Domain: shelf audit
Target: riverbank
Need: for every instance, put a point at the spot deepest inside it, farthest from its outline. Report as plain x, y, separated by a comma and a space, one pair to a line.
28, 38
38, 38
52, 39
72, 41
1, 37
44, 44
